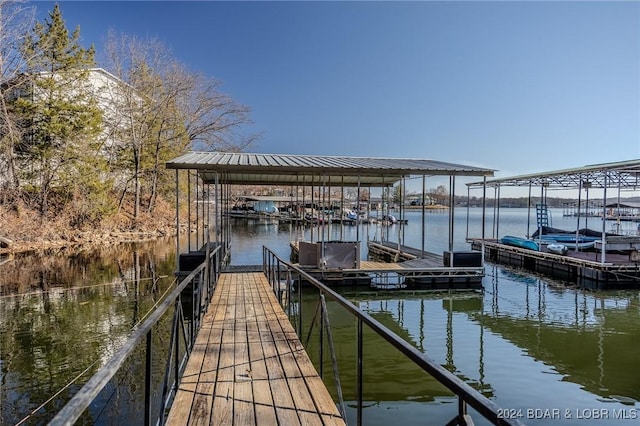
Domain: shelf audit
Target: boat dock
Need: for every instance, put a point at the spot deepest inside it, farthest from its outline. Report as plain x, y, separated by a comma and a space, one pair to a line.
608, 262
397, 266
248, 365
582, 268
234, 356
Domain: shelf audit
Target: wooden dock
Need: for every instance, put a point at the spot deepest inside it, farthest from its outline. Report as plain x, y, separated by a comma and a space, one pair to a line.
408, 265
582, 268
248, 366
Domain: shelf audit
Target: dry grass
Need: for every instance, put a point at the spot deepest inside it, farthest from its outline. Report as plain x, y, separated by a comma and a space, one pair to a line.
29, 231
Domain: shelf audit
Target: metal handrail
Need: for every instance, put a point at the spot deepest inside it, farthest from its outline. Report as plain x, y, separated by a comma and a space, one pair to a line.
273, 265
72, 411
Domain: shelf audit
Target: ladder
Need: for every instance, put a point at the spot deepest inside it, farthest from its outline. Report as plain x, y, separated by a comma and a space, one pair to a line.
542, 215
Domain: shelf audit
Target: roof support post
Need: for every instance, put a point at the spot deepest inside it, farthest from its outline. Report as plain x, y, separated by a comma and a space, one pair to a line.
358, 212
539, 217
495, 204
498, 212
323, 261
204, 204
604, 217
208, 223
422, 225
588, 210
177, 221
403, 185
342, 210
188, 210
217, 220
529, 212
484, 208
452, 188
330, 218
304, 204
578, 214
312, 207
298, 221
197, 208
618, 229
468, 212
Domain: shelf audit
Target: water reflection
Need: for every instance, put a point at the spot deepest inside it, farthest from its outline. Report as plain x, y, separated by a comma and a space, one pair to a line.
62, 315
588, 338
525, 342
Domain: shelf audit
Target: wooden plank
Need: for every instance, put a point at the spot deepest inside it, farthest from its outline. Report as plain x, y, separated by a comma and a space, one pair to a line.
243, 411
369, 265
222, 409
183, 401
310, 395
322, 400
295, 381
264, 405
283, 401
203, 398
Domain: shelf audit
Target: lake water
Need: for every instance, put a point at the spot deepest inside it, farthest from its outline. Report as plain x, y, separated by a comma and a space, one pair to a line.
549, 353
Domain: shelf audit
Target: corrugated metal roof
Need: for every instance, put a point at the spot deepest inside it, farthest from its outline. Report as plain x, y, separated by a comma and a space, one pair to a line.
277, 169
623, 174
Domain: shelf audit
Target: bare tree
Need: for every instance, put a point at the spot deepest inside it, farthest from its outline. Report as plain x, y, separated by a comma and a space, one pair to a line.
14, 18
135, 107
439, 194
167, 110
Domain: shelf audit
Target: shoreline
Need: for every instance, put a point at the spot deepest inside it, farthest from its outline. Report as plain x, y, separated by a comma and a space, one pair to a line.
80, 240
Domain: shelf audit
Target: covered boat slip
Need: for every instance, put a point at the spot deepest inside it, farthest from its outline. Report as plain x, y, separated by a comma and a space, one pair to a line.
248, 366
322, 174
611, 262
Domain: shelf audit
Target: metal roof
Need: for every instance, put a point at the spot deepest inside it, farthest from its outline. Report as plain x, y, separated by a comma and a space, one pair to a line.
623, 174
276, 169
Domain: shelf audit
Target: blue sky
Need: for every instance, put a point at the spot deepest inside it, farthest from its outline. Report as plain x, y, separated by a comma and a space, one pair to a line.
519, 87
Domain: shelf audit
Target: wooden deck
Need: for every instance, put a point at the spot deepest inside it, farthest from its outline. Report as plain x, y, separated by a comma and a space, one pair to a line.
248, 366
583, 268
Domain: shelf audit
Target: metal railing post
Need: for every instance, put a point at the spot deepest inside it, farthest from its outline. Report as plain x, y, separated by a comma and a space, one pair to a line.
462, 411
300, 307
277, 283
192, 330
147, 382
208, 267
321, 332
176, 366
359, 374
289, 282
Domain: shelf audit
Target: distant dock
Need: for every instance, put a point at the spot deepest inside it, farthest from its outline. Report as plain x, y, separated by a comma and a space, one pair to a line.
582, 268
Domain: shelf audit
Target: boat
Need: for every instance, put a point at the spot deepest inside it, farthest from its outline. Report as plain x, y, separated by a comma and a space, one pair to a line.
582, 239
584, 234
557, 248
568, 241
525, 243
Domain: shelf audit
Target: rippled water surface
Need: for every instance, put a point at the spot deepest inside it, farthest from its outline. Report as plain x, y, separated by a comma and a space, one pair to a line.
549, 353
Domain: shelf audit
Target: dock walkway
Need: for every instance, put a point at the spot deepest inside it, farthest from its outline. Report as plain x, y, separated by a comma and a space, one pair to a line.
583, 268
248, 366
